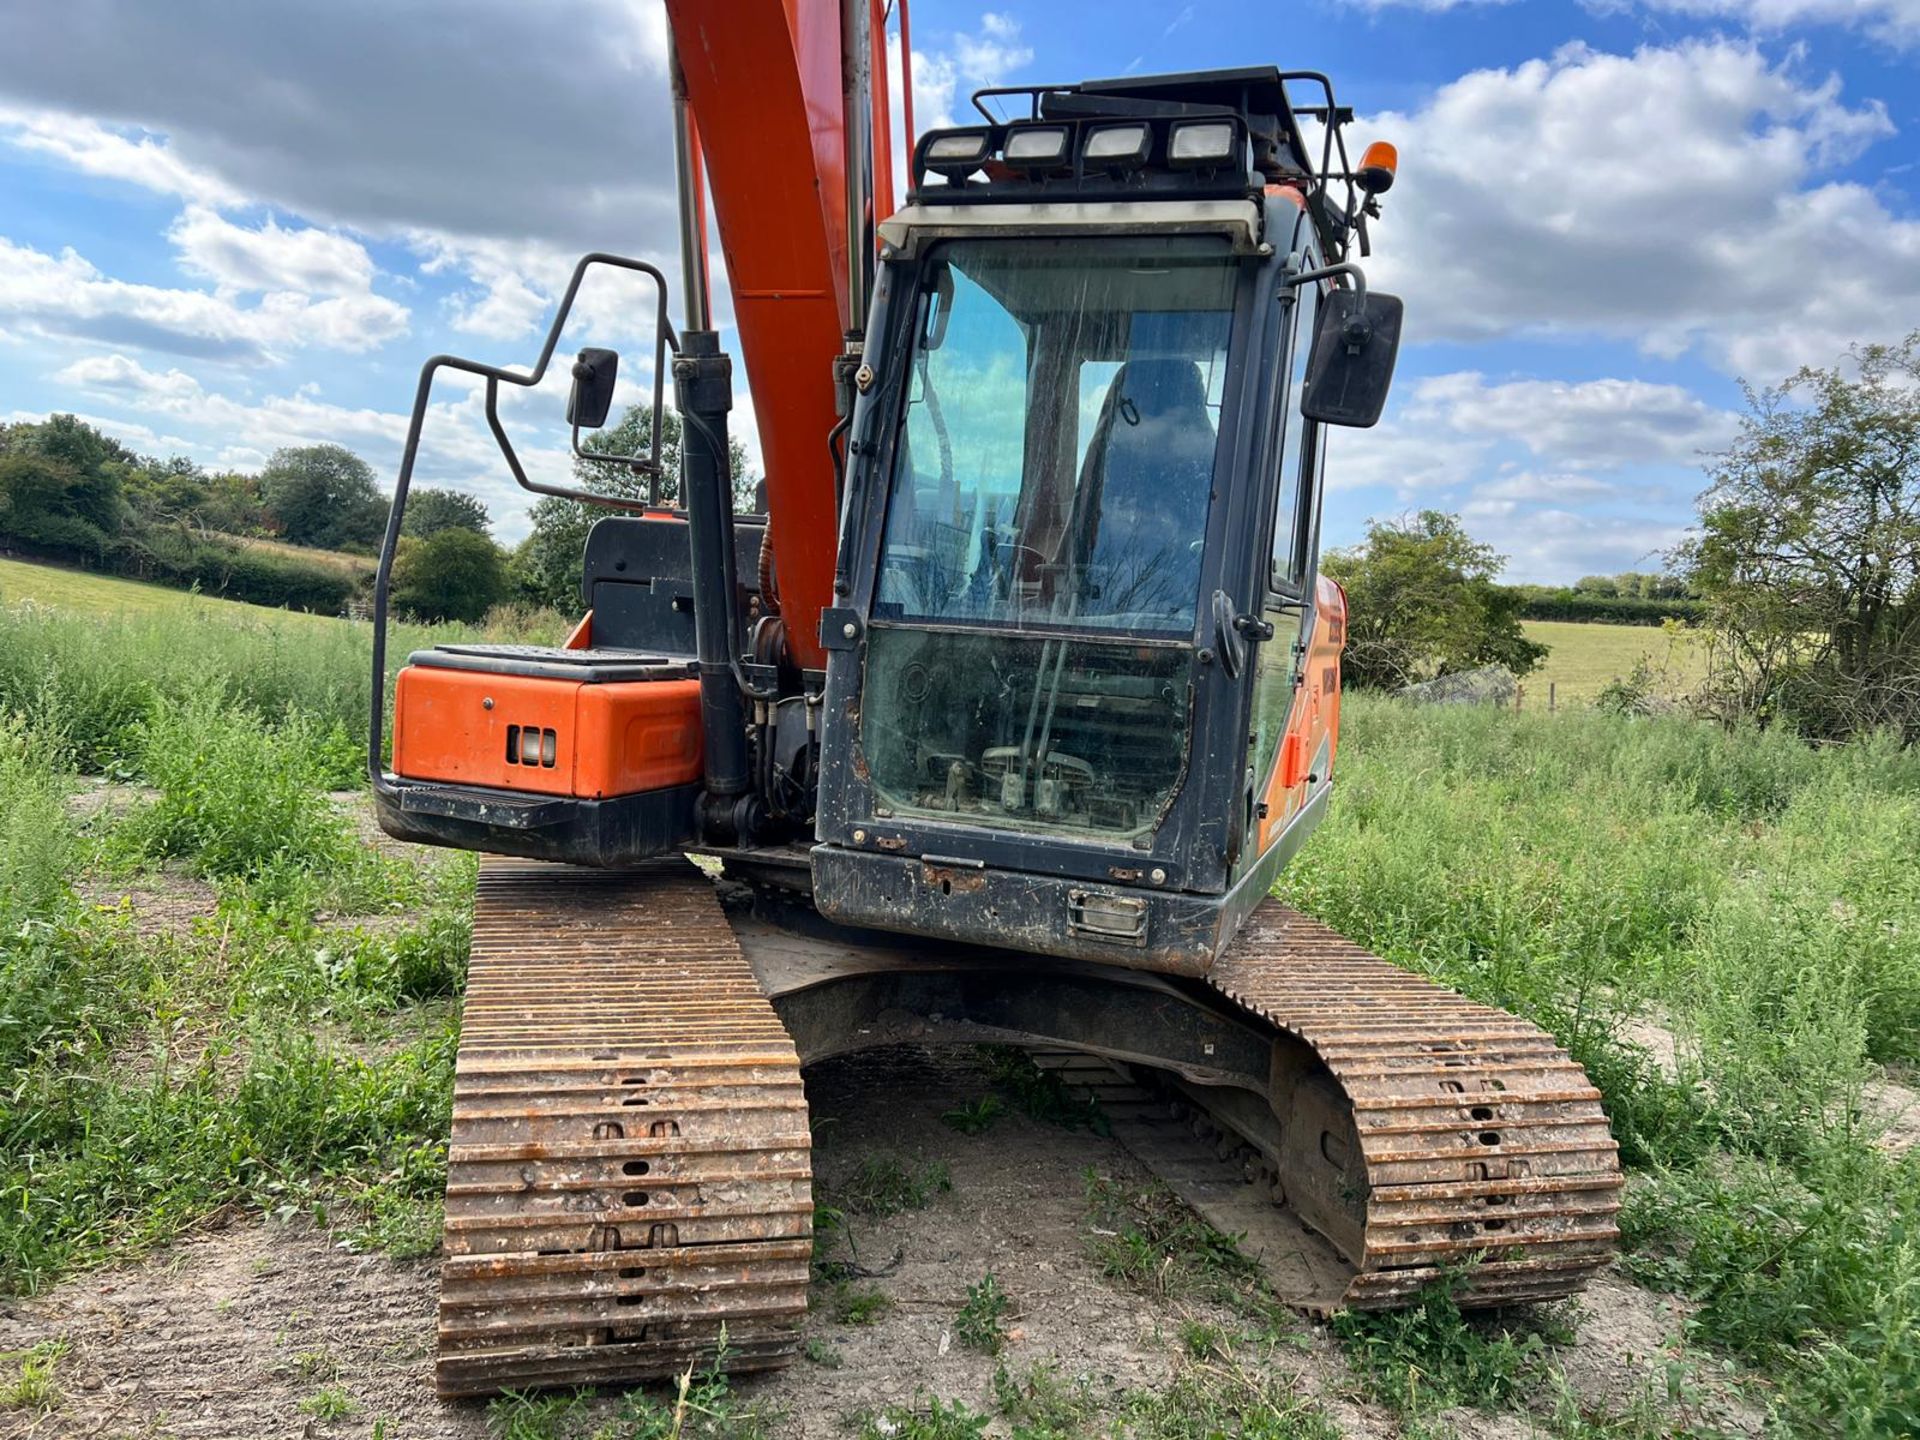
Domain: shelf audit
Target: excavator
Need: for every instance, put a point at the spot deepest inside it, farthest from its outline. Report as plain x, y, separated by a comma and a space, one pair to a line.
996, 727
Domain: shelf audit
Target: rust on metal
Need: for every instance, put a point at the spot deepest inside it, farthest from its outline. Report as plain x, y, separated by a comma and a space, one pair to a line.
1479, 1139
630, 1168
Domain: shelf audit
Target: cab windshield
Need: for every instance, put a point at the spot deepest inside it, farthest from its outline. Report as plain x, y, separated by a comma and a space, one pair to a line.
1055, 464
1030, 658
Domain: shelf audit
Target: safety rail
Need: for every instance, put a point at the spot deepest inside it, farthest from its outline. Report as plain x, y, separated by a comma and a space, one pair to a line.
648, 465
1336, 199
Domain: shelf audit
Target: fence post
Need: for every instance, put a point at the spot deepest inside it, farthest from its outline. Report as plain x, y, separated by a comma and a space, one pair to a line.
1552, 686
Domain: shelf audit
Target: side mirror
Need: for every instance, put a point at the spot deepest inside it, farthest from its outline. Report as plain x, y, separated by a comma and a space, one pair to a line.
939, 310
593, 375
1351, 367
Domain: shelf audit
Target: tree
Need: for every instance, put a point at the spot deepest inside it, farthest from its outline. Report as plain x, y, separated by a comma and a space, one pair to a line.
323, 495
234, 505
455, 574
168, 492
1599, 585
429, 511
51, 509
79, 481
1422, 601
1809, 551
548, 562
70, 441
63, 487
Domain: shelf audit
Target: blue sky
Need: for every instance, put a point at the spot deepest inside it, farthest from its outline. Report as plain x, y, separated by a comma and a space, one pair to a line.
227, 227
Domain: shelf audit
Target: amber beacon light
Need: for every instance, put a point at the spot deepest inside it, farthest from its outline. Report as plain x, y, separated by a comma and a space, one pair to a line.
1377, 168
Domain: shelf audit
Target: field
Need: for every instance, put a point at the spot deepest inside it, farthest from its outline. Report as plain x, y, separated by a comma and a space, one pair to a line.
228, 1010
1583, 658
82, 593
348, 564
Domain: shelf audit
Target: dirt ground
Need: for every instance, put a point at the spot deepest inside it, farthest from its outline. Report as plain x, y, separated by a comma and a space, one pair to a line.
229, 1333
234, 1331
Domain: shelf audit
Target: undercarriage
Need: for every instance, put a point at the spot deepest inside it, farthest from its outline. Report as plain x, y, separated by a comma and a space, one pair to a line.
630, 1164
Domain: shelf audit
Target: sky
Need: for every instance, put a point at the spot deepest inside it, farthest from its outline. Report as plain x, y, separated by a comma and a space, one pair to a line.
231, 227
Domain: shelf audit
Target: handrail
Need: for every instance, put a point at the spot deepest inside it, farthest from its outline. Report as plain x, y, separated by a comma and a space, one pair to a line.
648, 465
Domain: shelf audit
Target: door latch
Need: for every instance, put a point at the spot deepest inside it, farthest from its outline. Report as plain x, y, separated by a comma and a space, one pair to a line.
1254, 628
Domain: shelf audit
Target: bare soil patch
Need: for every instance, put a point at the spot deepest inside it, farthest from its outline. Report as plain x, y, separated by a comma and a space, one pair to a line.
228, 1333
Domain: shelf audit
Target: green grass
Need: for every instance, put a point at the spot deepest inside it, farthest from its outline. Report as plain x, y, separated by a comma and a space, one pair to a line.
30, 1386
699, 1405
886, 1184
329, 1405
976, 1117
979, 1323
851, 1304
151, 1081
1757, 896
1584, 658
1036, 1092
1040, 1403
928, 1417
1229, 1397
92, 657
83, 593
1430, 1357
1146, 1237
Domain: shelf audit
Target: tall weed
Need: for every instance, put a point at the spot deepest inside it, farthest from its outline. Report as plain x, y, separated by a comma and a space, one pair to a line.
1757, 896
95, 679
36, 833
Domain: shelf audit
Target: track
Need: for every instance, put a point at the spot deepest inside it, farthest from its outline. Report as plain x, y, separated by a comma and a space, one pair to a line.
1478, 1138
630, 1163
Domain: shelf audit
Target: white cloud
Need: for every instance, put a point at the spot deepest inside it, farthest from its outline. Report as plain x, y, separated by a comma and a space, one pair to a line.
1670, 198
1507, 493
1593, 424
66, 295
270, 258
1565, 478
117, 372
233, 430
1555, 545
1896, 22
469, 117
139, 158
948, 71
1447, 435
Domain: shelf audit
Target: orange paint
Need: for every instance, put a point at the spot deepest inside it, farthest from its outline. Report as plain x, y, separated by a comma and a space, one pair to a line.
1314, 719
777, 169
589, 741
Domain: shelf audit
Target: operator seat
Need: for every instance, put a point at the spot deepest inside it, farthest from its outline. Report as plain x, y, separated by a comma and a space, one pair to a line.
1143, 495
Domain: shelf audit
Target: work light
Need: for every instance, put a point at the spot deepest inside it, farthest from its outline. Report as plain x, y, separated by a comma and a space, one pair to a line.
1036, 147
955, 154
1119, 147
1198, 144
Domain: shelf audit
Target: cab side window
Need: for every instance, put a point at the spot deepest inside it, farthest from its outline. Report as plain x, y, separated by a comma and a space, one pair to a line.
1289, 565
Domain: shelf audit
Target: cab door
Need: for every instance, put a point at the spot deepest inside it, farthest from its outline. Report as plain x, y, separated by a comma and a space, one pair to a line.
1296, 675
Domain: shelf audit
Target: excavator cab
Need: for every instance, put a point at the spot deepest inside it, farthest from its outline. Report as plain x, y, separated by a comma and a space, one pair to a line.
1087, 670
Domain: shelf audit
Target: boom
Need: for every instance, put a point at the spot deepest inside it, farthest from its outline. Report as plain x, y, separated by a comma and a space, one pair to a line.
768, 85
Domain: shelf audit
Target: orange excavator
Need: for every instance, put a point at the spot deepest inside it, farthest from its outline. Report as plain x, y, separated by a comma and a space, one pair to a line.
997, 727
